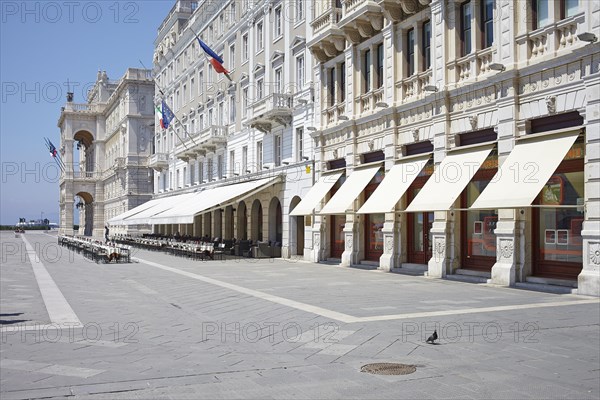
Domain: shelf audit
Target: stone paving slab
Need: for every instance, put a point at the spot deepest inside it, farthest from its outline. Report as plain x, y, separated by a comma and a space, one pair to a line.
176, 337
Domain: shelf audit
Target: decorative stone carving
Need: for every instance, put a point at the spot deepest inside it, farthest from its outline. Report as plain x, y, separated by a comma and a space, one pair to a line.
409, 6
317, 238
371, 145
415, 134
506, 248
473, 122
551, 104
348, 241
595, 253
335, 153
389, 243
440, 246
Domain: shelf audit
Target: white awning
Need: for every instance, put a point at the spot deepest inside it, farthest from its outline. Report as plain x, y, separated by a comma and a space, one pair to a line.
118, 220
525, 172
316, 194
350, 190
394, 185
449, 179
163, 204
184, 212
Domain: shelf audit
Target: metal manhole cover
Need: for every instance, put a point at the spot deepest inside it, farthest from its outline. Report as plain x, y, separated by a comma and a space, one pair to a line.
388, 369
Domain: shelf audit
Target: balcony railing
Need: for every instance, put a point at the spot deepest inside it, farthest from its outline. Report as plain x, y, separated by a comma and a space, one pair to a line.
366, 102
413, 87
472, 66
273, 102
551, 39
81, 107
350, 5
326, 20
331, 115
159, 161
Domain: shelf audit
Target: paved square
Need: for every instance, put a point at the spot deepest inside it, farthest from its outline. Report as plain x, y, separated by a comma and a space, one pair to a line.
167, 327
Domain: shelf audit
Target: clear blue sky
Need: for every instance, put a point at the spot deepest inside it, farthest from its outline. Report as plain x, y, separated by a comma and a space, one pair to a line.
42, 44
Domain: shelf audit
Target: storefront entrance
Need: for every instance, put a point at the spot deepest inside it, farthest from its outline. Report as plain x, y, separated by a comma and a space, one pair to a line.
419, 245
373, 224
558, 219
337, 235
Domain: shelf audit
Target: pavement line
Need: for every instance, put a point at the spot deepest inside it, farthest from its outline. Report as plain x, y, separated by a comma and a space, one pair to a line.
50, 369
255, 293
351, 319
59, 310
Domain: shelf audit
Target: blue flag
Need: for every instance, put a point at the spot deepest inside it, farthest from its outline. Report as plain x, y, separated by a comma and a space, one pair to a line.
167, 115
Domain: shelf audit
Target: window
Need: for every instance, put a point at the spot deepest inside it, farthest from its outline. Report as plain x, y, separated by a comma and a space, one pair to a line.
299, 10
259, 36
244, 159
367, 71
299, 72
380, 65
259, 89
569, 8
192, 127
232, 109
221, 24
210, 117
178, 183
231, 60
331, 87
410, 52
245, 47
192, 88
220, 119
277, 150
192, 174
299, 143
231, 164
209, 169
245, 102
201, 122
278, 81
185, 99
200, 82
259, 155
201, 171
184, 177
342, 82
465, 31
177, 99
541, 13
426, 45
487, 23
277, 25
170, 179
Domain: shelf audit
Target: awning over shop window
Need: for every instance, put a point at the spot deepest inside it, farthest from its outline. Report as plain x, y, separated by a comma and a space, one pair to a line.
350, 190
162, 205
184, 212
449, 179
525, 171
316, 194
394, 185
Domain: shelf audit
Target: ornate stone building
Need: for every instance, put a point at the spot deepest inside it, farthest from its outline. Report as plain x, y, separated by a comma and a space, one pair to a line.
105, 144
467, 133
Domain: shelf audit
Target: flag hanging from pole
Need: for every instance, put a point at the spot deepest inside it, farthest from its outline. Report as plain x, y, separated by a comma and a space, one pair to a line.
214, 59
52, 149
167, 116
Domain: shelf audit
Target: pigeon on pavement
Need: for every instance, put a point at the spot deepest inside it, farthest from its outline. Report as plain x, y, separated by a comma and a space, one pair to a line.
432, 338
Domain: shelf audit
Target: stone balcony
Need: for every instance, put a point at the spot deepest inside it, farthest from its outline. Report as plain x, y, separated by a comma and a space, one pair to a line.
551, 40
413, 87
367, 102
205, 141
361, 19
473, 67
158, 161
275, 109
398, 10
331, 115
328, 39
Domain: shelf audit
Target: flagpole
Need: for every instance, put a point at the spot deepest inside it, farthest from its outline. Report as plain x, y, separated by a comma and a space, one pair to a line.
174, 115
58, 162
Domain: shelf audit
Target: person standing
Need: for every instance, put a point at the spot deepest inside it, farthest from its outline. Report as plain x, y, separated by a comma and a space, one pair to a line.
106, 231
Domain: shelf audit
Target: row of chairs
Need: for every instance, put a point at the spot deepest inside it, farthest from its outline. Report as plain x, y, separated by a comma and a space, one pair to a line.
96, 251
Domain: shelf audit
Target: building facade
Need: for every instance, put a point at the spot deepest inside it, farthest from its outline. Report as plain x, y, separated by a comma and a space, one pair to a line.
456, 138
105, 144
230, 133
446, 107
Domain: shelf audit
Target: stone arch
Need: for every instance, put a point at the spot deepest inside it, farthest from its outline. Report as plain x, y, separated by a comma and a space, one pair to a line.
85, 207
242, 221
257, 221
275, 221
228, 229
85, 148
296, 230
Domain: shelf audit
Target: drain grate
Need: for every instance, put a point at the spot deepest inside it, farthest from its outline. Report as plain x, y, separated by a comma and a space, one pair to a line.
388, 369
